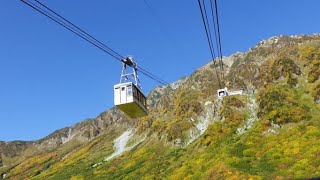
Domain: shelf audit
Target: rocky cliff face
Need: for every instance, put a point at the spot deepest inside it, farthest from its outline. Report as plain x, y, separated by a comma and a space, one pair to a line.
1, 162
271, 131
12, 149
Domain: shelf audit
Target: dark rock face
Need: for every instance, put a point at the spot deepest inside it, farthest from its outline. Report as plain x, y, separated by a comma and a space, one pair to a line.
2, 175
13, 148
1, 162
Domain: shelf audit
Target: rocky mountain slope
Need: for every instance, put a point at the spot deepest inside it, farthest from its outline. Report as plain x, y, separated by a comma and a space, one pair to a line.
272, 131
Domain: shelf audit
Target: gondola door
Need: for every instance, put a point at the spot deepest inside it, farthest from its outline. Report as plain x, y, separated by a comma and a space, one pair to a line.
123, 95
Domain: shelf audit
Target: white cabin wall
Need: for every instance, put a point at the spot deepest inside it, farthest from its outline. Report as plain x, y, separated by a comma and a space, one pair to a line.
117, 96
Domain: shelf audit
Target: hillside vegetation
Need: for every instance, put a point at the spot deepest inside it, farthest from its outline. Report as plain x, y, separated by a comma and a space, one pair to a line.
272, 131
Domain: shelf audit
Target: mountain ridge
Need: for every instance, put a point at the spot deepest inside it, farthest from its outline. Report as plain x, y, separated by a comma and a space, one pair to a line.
280, 80
264, 43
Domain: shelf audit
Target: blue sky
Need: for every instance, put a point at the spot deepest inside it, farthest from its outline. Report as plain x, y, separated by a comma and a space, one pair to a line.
51, 79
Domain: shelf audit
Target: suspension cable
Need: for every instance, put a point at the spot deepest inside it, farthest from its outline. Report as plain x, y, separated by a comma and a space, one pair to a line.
79, 29
208, 26
37, 8
206, 23
150, 75
84, 35
215, 28
205, 26
217, 16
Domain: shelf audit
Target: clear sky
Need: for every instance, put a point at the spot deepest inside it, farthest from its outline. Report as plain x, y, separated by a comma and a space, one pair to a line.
50, 78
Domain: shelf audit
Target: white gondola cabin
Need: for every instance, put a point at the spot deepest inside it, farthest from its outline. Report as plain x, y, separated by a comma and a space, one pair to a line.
129, 99
128, 96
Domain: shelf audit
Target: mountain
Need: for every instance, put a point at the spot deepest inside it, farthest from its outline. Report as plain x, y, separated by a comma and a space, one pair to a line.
271, 131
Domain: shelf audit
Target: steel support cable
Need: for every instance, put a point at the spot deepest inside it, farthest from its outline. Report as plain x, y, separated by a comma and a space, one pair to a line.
205, 26
153, 77
217, 16
162, 83
215, 28
208, 26
37, 8
150, 75
120, 58
211, 47
80, 29
216, 38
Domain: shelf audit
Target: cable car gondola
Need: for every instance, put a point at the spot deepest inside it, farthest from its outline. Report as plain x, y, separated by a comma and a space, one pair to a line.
128, 96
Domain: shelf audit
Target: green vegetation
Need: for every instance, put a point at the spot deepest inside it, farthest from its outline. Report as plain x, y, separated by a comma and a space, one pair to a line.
282, 143
279, 104
310, 56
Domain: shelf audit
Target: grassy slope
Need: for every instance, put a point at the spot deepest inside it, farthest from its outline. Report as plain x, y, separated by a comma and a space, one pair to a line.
291, 150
